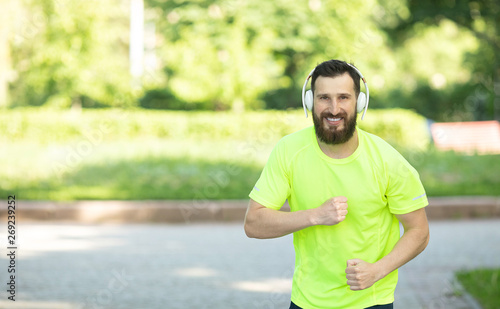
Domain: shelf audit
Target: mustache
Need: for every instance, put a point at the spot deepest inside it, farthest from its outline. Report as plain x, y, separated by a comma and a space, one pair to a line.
330, 115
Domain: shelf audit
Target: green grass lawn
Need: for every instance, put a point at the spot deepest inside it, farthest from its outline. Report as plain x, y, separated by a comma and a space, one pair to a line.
449, 173
131, 170
138, 169
134, 155
484, 285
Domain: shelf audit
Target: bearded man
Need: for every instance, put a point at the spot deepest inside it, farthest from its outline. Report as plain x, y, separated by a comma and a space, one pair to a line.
348, 191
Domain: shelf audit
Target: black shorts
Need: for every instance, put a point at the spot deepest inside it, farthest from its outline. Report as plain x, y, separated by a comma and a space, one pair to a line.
388, 306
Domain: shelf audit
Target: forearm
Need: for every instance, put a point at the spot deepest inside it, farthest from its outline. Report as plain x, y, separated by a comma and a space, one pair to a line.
411, 244
263, 222
269, 223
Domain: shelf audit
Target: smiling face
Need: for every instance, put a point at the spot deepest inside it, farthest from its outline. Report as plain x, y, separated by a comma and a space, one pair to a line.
334, 109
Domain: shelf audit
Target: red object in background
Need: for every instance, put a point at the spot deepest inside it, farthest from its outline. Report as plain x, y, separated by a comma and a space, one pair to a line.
481, 137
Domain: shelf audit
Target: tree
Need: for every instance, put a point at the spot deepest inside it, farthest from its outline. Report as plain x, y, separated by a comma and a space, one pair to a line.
70, 53
482, 19
230, 52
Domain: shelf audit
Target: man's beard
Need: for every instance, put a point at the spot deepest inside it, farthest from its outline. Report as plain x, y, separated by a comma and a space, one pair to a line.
334, 136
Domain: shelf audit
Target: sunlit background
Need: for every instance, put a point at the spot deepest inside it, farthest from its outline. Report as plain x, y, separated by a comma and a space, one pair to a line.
438, 59
98, 88
183, 100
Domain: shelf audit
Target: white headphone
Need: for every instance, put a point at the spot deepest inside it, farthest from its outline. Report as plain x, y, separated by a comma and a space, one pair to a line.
362, 103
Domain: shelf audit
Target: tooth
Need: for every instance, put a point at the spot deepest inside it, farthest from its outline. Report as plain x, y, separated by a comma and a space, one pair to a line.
333, 119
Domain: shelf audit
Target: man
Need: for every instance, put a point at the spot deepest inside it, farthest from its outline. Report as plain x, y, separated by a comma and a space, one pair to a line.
347, 190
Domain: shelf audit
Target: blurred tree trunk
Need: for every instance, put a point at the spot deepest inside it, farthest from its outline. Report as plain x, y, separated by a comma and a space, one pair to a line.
496, 80
496, 88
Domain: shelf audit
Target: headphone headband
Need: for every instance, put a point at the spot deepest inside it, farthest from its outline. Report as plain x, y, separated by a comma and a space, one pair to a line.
360, 75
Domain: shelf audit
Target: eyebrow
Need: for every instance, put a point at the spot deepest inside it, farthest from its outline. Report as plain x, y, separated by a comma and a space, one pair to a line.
337, 94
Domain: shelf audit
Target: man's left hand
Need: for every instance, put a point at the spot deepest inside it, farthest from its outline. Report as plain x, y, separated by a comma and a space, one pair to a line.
360, 274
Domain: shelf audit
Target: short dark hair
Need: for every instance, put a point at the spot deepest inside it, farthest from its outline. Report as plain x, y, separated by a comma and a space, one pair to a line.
334, 68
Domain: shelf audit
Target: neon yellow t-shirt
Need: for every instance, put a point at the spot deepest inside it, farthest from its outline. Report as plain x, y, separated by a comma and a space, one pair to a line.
378, 183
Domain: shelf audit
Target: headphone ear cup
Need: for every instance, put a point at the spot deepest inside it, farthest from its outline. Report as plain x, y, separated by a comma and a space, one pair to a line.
308, 100
361, 102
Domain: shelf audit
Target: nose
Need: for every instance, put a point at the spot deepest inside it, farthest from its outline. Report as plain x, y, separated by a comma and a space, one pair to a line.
334, 107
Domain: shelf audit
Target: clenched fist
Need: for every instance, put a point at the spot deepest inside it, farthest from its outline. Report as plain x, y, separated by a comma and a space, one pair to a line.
331, 212
361, 275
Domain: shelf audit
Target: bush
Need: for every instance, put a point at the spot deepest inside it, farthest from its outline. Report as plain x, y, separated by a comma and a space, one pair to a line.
146, 154
402, 128
282, 99
164, 99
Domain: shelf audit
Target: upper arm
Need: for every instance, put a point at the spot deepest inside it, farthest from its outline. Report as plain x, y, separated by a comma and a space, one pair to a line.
252, 211
254, 206
254, 218
415, 220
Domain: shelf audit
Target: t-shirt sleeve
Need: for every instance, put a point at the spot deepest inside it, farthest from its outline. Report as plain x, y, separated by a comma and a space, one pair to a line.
405, 192
273, 187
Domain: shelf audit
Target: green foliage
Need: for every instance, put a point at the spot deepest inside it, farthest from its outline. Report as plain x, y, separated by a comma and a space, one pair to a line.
457, 102
450, 173
433, 57
483, 284
254, 51
140, 178
162, 99
70, 53
144, 154
139, 169
404, 129
478, 19
283, 98
430, 74
45, 126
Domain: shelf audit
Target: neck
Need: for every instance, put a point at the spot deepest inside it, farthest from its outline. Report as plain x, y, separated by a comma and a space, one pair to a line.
340, 151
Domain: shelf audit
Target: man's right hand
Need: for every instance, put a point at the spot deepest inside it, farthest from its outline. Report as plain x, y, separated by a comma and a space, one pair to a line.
331, 212
263, 222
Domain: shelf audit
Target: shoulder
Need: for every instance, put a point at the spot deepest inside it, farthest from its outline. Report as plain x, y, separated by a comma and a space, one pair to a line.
296, 141
384, 155
378, 147
289, 146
